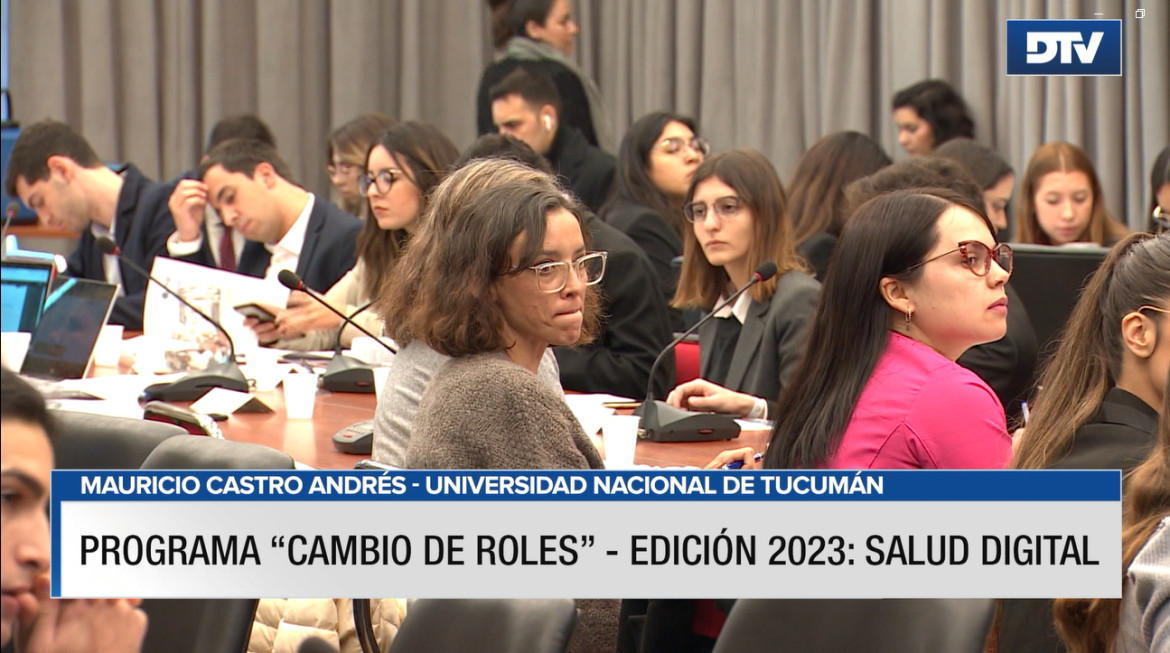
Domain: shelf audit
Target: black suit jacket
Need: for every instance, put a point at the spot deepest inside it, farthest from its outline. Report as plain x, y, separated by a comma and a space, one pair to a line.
770, 342
587, 171
1118, 436
657, 238
574, 101
635, 326
142, 223
328, 253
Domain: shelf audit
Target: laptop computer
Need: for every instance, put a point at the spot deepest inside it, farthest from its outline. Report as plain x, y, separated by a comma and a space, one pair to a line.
1049, 281
62, 345
24, 285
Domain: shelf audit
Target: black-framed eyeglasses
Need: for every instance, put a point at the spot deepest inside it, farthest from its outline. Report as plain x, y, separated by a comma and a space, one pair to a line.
383, 180
724, 207
977, 257
675, 144
552, 277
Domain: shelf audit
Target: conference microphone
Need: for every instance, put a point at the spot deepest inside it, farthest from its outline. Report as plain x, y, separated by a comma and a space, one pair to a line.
290, 280
662, 422
222, 374
346, 373
10, 212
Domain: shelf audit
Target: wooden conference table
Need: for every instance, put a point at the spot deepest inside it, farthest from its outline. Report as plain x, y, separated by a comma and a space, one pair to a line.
310, 441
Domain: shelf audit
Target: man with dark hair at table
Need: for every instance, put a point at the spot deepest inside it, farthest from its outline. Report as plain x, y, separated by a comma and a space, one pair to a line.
38, 623
526, 105
635, 325
189, 199
57, 174
286, 226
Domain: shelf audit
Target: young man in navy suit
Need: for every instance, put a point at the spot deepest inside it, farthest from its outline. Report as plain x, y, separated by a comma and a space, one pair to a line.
287, 227
57, 174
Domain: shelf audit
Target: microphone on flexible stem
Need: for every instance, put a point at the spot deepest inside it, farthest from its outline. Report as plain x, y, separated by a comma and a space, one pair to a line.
662, 422
222, 374
10, 212
344, 373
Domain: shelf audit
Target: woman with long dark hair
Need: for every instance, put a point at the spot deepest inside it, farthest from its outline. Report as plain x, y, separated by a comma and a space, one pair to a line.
402, 166
917, 279
1101, 394
816, 193
656, 160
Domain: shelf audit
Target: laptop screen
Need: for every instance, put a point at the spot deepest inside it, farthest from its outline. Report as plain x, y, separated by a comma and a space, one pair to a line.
63, 342
23, 287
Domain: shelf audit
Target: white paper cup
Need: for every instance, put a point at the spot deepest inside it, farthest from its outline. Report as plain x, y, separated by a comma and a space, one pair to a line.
300, 394
620, 435
108, 349
380, 376
13, 348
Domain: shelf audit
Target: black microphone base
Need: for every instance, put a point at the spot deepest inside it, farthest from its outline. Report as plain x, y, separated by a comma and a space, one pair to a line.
345, 374
662, 422
196, 384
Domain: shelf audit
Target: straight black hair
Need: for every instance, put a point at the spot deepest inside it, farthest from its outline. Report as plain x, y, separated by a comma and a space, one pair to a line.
887, 237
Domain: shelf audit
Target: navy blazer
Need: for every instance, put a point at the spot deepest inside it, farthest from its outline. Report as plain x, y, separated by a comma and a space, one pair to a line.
142, 223
635, 325
329, 250
771, 341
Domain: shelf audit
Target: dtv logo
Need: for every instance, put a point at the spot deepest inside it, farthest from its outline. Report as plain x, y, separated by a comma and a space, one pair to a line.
1044, 46
1064, 47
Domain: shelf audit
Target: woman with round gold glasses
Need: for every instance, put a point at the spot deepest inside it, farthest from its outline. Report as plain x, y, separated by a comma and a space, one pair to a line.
401, 167
495, 276
916, 280
656, 160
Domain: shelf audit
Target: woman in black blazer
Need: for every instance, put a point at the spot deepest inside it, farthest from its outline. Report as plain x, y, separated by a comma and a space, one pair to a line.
1102, 393
655, 162
737, 217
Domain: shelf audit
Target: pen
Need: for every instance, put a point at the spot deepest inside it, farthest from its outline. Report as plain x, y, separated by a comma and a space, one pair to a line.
738, 464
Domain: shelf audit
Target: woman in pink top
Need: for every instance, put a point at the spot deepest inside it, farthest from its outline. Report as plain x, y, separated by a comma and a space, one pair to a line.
916, 280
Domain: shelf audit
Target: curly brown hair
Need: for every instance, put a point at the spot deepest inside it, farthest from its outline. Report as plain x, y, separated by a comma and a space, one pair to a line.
440, 292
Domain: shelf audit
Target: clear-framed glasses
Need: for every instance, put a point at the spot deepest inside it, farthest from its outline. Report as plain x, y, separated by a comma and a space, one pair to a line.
552, 277
724, 207
343, 168
1148, 307
383, 180
675, 144
1161, 218
977, 257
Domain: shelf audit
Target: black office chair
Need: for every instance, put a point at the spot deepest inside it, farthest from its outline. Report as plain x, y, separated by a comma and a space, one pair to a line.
201, 625
102, 442
487, 626
857, 626
200, 452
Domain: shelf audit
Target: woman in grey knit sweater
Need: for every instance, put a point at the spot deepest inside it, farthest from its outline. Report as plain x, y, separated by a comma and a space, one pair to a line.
498, 272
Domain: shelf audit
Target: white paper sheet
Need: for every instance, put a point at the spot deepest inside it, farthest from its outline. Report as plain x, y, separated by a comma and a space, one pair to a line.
161, 313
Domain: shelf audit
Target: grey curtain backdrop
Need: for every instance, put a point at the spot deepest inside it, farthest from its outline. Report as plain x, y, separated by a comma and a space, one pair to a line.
146, 79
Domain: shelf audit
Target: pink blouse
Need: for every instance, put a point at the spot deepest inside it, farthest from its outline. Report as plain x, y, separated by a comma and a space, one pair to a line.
920, 410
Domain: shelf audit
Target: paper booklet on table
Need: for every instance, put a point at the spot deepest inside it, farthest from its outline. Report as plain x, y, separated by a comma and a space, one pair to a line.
163, 316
